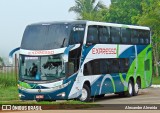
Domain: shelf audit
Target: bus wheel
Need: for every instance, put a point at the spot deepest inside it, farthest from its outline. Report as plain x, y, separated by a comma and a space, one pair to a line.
136, 87
130, 91
86, 94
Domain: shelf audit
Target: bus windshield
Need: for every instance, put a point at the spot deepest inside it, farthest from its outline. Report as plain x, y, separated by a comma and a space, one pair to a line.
45, 37
54, 36
44, 68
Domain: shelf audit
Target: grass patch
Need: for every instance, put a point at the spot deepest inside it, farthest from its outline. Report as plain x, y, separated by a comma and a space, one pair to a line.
8, 86
9, 93
7, 79
156, 80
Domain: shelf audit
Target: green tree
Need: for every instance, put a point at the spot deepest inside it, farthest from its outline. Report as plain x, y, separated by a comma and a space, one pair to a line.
124, 11
89, 10
151, 18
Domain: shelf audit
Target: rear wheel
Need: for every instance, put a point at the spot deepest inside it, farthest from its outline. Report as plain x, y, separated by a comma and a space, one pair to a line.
136, 87
130, 90
86, 94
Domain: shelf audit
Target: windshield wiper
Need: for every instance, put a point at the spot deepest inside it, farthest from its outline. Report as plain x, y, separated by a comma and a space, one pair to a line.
63, 42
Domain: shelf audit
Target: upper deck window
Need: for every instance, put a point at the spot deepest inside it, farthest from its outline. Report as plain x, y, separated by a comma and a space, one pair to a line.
54, 36
45, 37
115, 35
104, 34
77, 34
92, 36
125, 35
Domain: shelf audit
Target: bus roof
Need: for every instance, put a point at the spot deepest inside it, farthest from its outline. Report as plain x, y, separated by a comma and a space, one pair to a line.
117, 25
93, 23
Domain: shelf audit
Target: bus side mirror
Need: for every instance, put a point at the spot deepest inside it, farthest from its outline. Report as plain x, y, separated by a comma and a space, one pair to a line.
11, 55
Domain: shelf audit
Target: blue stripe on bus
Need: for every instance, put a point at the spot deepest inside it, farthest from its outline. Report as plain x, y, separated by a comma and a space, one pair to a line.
85, 51
107, 86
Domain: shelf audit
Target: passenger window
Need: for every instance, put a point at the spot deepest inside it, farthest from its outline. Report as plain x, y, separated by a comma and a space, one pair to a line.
115, 35
123, 65
135, 36
104, 35
146, 37
106, 66
141, 37
92, 67
115, 66
92, 36
125, 36
103, 66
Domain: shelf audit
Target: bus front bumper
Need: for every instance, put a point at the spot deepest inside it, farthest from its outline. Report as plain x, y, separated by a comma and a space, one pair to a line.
38, 95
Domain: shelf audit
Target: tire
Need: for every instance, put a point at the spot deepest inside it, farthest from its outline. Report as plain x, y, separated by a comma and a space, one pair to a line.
136, 87
130, 90
86, 94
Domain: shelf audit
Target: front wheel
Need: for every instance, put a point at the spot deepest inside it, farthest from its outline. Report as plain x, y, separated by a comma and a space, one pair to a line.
136, 87
86, 94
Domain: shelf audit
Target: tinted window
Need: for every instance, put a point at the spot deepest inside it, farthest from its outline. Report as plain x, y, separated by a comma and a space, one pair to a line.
146, 36
115, 35
92, 36
123, 65
141, 37
125, 36
114, 65
45, 37
135, 36
106, 66
92, 67
77, 34
104, 35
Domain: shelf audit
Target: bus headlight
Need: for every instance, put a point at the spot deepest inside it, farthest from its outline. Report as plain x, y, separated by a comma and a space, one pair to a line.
62, 86
19, 87
21, 95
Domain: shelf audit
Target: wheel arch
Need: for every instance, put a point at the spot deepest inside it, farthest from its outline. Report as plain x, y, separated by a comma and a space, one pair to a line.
88, 84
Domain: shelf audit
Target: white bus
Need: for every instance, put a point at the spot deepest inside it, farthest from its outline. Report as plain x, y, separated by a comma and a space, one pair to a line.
83, 59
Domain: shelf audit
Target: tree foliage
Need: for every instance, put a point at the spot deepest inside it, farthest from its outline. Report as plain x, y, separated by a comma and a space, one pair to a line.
124, 11
89, 10
151, 17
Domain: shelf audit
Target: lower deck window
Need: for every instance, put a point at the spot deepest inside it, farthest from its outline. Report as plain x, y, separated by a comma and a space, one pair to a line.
106, 66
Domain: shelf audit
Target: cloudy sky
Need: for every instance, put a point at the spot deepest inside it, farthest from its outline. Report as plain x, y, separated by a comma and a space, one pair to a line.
15, 15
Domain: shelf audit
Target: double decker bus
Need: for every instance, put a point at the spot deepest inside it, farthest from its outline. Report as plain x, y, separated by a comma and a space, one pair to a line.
83, 59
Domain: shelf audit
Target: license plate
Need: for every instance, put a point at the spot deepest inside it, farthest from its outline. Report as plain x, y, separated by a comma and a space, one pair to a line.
39, 96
